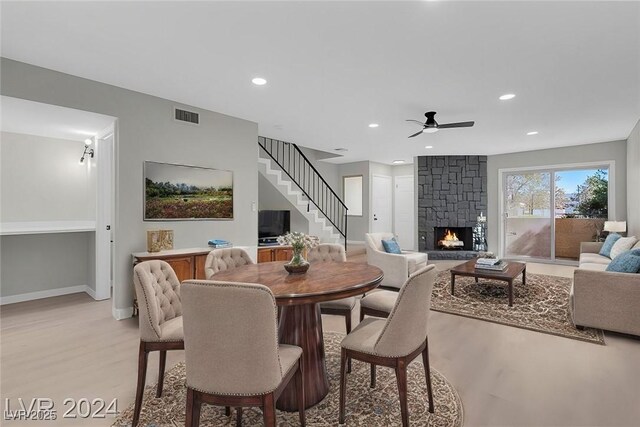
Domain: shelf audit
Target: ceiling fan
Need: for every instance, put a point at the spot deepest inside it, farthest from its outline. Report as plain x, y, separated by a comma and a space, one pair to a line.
431, 126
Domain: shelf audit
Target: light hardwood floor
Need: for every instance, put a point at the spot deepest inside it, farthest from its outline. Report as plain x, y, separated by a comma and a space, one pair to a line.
70, 346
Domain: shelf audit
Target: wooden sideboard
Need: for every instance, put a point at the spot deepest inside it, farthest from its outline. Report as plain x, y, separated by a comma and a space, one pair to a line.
274, 253
187, 263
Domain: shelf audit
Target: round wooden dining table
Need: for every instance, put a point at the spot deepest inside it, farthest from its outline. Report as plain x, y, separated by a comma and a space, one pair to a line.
300, 322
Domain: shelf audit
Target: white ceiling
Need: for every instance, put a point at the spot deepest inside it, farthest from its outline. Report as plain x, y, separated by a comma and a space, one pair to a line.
34, 118
334, 67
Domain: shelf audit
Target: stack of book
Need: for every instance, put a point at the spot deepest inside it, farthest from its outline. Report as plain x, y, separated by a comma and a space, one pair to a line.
219, 243
490, 264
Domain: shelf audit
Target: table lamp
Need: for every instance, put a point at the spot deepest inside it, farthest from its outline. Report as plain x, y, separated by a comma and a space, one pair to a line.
615, 226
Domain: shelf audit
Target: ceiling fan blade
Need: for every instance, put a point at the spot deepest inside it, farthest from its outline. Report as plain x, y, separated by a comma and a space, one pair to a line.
456, 125
415, 134
415, 121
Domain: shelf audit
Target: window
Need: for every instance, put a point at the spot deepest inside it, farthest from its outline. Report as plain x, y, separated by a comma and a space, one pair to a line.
352, 186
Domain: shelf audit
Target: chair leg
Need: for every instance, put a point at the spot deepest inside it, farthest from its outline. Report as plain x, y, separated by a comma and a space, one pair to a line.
143, 356
163, 362
192, 413
347, 321
239, 416
427, 373
373, 376
401, 378
227, 411
361, 314
269, 410
299, 379
343, 384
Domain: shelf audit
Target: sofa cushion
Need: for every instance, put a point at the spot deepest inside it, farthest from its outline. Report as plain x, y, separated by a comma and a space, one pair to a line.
391, 246
593, 266
637, 245
593, 258
611, 239
621, 245
626, 262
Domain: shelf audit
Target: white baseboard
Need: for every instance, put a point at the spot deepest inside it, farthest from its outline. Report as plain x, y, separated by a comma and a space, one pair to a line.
355, 242
122, 313
12, 299
91, 292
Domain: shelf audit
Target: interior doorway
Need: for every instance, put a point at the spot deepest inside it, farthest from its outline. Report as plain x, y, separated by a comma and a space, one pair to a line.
381, 204
404, 211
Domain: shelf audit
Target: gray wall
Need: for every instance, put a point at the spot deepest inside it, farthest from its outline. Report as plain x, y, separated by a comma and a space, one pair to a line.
633, 179
147, 131
41, 180
357, 226
270, 198
616, 151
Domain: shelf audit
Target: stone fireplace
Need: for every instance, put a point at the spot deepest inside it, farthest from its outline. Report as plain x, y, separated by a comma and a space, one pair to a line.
452, 192
453, 238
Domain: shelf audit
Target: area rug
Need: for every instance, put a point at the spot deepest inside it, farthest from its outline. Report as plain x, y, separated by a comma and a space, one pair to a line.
541, 305
365, 406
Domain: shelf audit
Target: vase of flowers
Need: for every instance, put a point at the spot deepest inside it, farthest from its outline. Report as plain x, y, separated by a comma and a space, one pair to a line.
298, 242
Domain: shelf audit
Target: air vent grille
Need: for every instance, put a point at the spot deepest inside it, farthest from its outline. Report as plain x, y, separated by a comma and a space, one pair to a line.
187, 116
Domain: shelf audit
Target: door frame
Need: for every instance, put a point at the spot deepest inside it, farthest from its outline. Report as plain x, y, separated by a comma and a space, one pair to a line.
105, 212
413, 211
502, 172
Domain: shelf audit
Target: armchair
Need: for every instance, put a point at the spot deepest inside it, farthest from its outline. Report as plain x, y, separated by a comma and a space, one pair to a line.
396, 267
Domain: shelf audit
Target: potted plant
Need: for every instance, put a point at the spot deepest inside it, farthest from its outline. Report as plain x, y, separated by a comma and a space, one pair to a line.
298, 242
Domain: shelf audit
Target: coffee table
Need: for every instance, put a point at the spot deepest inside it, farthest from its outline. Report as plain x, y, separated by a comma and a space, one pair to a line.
469, 269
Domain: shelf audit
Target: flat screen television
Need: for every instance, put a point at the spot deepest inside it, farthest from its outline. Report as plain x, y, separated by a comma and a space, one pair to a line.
273, 223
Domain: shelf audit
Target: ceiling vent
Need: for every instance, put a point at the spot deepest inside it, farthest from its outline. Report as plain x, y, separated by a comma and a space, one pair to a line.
187, 116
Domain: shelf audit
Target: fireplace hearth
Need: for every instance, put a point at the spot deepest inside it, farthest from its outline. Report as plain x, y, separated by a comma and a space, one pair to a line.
453, 238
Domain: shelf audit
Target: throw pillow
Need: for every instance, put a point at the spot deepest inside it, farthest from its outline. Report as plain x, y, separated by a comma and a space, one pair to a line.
612, 238
391, 246
621, 245
626, 262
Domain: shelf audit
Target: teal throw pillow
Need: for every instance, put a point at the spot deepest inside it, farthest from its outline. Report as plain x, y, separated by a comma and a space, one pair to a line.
605, 250
626, 262
391, 246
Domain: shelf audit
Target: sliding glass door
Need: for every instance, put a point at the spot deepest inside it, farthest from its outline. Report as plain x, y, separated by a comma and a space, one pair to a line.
548, 212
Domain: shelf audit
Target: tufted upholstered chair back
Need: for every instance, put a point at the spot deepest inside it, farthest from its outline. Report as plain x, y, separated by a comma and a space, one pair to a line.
406, 327
327, 252
225, 259
158, 292
231, 338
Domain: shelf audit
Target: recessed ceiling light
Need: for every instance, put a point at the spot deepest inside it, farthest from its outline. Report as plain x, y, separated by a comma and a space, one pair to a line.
259, 81
340, 149
535, 132
398, 162
507, 96
428, 147
373, 125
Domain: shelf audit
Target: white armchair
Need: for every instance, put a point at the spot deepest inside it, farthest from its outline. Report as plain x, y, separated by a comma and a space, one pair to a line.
396, 267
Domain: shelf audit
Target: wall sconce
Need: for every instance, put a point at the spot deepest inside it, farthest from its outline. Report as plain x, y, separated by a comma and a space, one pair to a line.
87, 151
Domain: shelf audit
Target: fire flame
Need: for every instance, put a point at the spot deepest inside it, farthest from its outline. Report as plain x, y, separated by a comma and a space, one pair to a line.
450, 236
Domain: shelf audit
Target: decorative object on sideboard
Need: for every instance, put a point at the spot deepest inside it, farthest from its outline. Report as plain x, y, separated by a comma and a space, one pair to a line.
480, 233
159, 240
298, 242
179, 192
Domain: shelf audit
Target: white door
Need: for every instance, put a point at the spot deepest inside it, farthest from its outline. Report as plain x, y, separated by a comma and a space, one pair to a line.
381, 202
104, 216
403, 213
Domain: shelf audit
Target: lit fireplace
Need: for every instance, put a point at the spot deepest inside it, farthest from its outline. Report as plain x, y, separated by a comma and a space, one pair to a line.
450, 240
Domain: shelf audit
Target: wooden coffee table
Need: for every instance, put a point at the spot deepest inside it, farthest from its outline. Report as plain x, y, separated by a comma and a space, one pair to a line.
512, 271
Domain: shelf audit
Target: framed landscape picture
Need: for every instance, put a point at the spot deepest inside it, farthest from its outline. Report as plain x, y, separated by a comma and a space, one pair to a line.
178, 192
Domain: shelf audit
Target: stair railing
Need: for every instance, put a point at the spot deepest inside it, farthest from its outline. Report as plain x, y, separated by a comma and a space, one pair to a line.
299, 169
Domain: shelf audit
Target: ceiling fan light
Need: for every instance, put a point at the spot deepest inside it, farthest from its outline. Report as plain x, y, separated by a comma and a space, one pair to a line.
430, 130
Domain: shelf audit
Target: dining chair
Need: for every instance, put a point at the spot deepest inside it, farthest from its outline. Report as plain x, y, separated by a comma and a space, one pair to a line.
160, 318
396, 341
378, 303
327, 252
251, 368
225, 259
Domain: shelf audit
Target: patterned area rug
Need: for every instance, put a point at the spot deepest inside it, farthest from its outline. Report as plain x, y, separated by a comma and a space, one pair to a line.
542, 305
365, 406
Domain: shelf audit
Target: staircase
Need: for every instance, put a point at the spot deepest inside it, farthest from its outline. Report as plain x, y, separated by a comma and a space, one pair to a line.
289, 170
